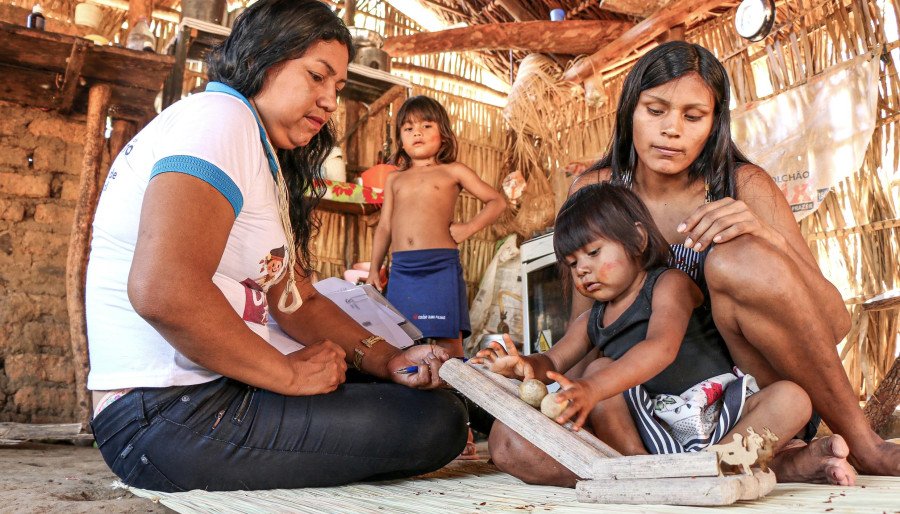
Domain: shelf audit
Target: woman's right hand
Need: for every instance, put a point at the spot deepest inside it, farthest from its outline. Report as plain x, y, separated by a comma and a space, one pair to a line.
318, 369
504, 359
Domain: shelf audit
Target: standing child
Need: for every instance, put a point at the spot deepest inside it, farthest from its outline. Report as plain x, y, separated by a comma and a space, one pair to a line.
426, 279
676, 378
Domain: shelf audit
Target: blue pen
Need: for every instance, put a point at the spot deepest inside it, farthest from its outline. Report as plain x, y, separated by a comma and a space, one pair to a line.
409, 370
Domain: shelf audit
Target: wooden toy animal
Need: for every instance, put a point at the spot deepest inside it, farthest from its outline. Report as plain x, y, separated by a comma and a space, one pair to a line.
767, 450
738, 455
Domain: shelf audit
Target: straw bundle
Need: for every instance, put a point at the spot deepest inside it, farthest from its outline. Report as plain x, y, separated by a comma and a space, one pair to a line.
537, 115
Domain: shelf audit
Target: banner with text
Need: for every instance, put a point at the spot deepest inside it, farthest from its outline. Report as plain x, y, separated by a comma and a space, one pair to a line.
811, 137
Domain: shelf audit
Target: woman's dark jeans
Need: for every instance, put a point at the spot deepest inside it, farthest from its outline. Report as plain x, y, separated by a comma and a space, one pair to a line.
225, 435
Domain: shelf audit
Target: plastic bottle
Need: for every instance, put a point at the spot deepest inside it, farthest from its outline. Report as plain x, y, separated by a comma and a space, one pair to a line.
140, 37
35, 19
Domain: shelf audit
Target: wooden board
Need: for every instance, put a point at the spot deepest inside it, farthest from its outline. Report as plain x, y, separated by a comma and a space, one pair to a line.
14, 433
559, 443
699, 491
674, 465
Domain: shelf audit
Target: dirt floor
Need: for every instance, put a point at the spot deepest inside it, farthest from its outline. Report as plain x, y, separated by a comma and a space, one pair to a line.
37, 478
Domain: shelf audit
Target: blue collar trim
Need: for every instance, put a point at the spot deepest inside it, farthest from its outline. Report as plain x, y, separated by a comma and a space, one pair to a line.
218, 87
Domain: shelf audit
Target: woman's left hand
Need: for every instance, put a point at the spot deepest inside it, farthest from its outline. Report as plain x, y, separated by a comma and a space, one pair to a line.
580, 395
720, 222
427, 357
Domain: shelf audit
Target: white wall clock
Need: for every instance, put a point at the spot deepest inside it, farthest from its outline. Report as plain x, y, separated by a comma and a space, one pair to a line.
755, 18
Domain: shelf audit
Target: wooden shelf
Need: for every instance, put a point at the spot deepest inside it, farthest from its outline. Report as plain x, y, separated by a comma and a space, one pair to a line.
347, 207
194, 38
54, 71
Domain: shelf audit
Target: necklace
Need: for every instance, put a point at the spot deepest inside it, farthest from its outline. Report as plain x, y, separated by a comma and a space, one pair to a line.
286, 304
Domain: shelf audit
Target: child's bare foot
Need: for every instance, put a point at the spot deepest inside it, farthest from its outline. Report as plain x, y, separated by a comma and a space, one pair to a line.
470, 452
882, 459
823, 461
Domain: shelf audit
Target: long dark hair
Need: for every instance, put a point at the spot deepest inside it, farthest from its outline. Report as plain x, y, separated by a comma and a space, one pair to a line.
264, 36
610, 211
720, 157
424, 108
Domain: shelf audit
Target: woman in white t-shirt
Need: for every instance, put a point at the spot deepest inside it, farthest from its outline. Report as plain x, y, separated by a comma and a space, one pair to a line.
203, 232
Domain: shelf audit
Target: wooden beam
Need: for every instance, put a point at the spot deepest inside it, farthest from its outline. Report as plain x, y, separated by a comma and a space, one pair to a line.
66, 95
79, 242
557, 37
639, 35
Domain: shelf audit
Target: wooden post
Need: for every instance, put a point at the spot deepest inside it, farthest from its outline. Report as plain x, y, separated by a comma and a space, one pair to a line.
374, 108
79, 242
175, 81
66, 94
122, 132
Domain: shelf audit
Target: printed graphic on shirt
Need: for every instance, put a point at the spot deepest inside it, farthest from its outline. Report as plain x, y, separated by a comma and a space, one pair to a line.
271, 267
256, 307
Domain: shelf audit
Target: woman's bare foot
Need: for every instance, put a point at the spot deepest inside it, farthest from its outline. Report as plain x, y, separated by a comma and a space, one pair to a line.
883, 458
823, 461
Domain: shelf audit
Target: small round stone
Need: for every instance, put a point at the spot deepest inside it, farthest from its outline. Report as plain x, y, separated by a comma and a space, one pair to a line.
532, 391
550, 408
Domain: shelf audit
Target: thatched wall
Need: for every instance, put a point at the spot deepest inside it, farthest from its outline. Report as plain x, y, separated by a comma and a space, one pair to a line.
855, 234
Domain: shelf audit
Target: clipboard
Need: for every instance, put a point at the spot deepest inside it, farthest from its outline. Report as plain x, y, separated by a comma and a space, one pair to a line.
370, 309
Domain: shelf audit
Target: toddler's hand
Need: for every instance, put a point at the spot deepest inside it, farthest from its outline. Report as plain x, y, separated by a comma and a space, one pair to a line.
581, 398
504, 359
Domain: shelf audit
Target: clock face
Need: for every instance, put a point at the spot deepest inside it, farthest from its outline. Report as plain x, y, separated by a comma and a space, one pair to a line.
754, 19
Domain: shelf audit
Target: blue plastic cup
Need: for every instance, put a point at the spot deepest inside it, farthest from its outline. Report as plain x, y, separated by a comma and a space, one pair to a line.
557, 15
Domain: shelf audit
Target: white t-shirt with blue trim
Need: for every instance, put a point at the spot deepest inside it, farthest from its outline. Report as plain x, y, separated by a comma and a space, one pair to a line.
214, 136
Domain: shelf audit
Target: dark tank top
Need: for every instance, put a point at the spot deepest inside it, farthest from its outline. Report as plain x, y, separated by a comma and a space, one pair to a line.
702, 354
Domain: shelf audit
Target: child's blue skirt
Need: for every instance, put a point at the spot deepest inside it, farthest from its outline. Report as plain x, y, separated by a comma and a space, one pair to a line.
427, 287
